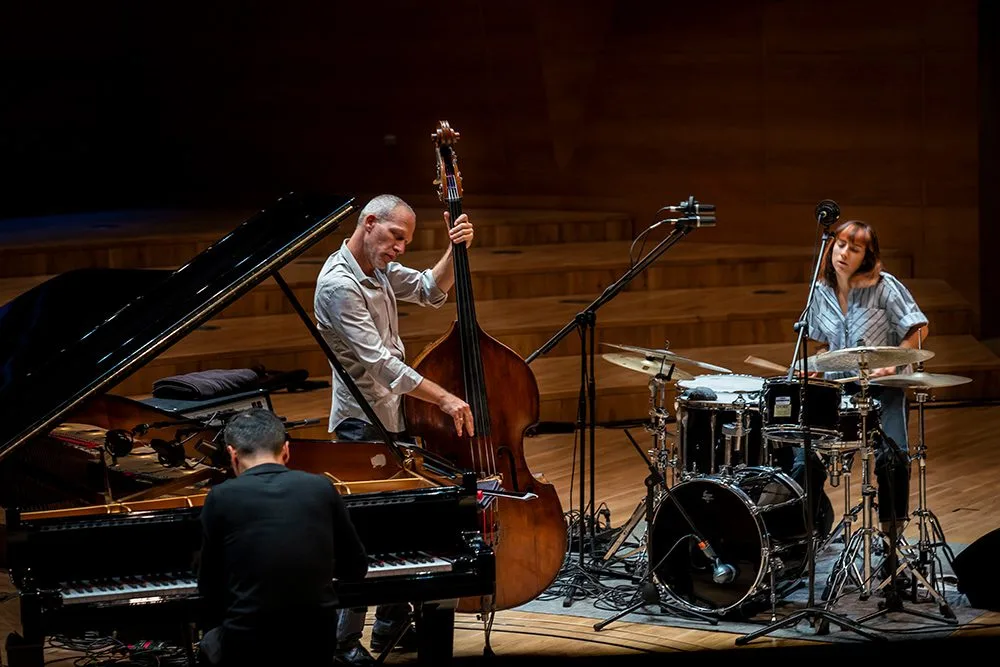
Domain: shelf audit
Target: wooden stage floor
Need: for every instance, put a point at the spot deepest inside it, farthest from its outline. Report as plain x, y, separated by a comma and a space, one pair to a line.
962, 475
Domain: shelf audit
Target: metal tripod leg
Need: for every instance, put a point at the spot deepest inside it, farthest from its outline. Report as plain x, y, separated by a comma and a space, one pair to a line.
845, 568
893, 604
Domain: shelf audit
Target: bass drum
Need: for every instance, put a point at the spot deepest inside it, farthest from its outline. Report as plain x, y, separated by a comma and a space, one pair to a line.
754, 521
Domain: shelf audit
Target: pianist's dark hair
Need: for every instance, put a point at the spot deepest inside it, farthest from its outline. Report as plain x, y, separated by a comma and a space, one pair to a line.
255, 431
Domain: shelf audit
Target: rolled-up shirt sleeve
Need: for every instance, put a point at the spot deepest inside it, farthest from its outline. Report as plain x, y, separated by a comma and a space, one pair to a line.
415, 286
901, 308
340, 310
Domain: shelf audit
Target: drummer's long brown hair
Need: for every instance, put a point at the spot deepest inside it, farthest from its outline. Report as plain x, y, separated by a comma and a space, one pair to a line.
859, 233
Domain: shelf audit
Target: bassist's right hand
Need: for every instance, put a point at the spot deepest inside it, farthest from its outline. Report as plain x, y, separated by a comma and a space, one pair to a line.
460, 412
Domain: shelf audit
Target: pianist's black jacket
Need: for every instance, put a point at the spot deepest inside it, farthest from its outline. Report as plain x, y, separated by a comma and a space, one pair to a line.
273, 539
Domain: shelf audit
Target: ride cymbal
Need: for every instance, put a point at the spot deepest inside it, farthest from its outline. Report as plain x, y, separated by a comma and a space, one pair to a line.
853, 358
921, 380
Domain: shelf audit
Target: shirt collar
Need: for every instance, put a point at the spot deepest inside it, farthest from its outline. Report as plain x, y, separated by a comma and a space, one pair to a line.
355, 268
265, 469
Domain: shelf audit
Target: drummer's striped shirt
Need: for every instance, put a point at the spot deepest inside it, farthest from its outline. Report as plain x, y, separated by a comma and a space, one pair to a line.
881, 314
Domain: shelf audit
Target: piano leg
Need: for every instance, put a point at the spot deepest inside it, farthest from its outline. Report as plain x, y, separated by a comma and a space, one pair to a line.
435, 623
24, 653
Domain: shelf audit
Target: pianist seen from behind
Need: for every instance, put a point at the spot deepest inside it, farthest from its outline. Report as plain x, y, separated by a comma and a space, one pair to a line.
273, 540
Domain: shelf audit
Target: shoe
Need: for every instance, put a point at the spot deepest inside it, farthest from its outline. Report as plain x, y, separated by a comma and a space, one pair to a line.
407, 643
356, 655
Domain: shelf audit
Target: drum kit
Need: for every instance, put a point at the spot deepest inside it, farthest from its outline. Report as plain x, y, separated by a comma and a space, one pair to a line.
729, 529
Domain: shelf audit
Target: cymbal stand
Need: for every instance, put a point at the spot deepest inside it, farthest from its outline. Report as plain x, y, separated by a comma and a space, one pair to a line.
846, 565
931, 533
659, 459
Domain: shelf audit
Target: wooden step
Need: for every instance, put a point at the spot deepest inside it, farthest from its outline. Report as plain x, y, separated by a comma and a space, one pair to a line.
143, 239
718, 316
623, 394
584, 269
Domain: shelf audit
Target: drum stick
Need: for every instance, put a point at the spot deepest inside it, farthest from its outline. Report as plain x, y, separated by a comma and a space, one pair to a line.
764, 363
853, 378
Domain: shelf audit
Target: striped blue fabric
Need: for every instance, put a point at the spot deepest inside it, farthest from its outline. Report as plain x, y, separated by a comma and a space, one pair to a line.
881, 314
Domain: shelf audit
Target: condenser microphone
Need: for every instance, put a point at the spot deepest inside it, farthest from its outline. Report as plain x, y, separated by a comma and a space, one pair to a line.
827, 212
690, 207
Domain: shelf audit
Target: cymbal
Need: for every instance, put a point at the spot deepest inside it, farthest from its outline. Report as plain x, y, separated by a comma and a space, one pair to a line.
643, 365
921, 380
851, 358
669, 356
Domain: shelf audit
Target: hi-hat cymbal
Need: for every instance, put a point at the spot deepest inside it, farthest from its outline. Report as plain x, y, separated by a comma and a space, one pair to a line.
921, 380
852, 358
643, 365
669, 356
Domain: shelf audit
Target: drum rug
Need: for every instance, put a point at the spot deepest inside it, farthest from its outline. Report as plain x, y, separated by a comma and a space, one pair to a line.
605, 587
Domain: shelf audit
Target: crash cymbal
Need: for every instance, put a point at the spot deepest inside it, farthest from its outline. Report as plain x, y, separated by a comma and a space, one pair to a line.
644, 365
921, 380
670, 356
851, 358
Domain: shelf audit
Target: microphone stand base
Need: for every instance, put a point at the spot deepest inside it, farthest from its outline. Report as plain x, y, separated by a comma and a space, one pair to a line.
825, 618
650, 596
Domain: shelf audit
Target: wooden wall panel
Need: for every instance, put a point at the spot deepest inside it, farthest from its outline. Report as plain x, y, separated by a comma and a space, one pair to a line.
763, 107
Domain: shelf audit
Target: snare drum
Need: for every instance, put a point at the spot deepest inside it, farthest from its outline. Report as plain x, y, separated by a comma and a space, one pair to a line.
727, 383
713, 434
783, 418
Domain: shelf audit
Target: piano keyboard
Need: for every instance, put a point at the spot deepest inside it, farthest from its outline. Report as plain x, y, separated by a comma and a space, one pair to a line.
405, 563
139, 590
134, 590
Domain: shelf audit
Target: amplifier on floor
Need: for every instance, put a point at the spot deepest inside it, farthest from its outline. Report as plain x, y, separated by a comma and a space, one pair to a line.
975, 567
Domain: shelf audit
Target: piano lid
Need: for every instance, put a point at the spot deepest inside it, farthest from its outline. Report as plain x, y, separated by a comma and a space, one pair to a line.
83, 332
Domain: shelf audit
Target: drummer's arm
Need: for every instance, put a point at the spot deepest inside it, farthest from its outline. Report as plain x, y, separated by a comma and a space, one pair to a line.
915, 336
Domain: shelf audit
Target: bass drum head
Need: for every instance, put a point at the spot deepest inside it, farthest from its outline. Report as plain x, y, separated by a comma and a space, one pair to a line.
732, 515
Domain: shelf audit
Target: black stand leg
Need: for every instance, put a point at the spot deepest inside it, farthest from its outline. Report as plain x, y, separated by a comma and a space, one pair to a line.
585, 426
649, 594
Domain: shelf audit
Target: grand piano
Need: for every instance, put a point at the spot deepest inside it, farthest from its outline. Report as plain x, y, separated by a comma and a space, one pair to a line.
102, 493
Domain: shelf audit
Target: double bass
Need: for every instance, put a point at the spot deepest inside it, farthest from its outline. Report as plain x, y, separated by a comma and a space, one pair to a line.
528, 536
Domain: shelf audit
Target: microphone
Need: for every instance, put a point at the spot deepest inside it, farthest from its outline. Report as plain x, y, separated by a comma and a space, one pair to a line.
690, 221
722, 573
690, 206
827, 212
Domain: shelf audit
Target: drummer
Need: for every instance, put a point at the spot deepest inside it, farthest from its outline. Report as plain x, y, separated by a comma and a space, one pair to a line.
858, 304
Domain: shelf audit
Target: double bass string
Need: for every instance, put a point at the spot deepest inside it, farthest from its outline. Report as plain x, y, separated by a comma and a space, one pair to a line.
482, 450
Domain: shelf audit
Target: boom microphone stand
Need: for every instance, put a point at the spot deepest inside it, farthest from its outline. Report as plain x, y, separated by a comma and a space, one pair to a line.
584, 323
827, 213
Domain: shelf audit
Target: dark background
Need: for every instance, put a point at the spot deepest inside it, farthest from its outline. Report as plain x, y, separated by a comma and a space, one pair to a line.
763, 107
